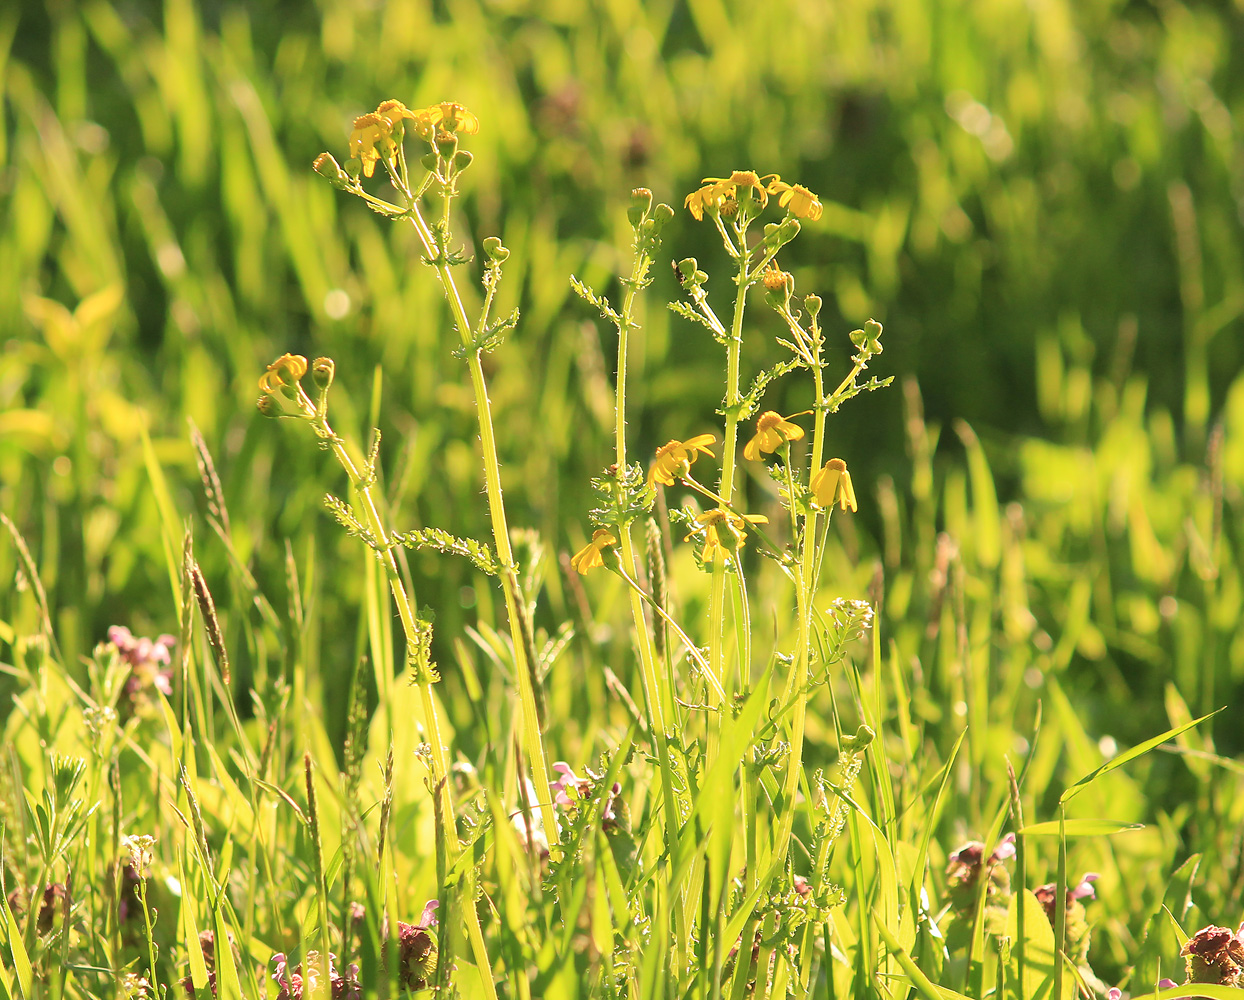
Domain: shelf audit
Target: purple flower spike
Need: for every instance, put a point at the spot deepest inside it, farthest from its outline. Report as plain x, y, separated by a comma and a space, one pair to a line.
428, 917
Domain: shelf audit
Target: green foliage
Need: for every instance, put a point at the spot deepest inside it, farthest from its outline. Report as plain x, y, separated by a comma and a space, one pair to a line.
1040, 201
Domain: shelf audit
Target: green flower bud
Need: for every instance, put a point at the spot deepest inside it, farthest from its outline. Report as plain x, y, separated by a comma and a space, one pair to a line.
322, 372
34, 650
689, 273
851, 744
353, 169
813, 304
462, 160
447, 144
328, 168
494, 249
429, 161
662, 214
858, 338
641, 204
268, 406
872, 330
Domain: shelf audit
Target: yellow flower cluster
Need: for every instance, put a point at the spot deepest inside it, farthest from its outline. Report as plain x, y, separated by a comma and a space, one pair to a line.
715, 192
375, 136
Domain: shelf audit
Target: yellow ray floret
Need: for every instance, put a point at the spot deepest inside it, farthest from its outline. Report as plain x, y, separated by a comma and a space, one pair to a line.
592, 554
833, 485
772, 431
796, 199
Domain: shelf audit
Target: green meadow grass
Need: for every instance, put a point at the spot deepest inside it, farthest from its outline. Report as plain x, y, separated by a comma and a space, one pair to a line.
1043, 205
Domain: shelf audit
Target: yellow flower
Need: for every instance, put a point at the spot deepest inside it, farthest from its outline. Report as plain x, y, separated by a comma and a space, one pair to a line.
450, 116
284, 372
716, 190
772, 429
283, 396
724, 532
833, 484
674, 458
592, 554
796, 199
394, 112
369, 132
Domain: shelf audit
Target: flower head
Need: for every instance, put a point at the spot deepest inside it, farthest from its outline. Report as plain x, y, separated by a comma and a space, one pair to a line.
833, 485
370, 139
283, 395
296, 983
674, 458
150, 662
449, 116
772, 431
796, 199
395, 113
417, 951
724, 531
967, 863
570, 790
1081, 890
715, 192
594, 553
1215, 955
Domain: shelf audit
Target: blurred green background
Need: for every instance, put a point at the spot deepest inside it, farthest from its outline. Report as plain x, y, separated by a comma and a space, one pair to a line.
1041, 199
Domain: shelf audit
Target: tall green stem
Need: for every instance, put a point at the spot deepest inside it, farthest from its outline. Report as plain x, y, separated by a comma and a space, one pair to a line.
725, 487
524, 668
805, 591
410, 627
658, 696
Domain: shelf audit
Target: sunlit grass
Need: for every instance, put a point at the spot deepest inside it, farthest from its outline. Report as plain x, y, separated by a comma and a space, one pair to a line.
1041, 204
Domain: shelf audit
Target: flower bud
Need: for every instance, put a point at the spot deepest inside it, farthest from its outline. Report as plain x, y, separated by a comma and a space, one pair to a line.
462, 160
429, 161
268, 406
662, 214
328, 168
872, 330
353, 168
322, 372
813, 304
863, 736
34, 651
690, 274
788, 230
641, 204
494, 249
779, 285
447, 144
858, 338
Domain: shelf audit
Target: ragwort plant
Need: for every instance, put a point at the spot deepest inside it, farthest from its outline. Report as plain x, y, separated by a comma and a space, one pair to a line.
696, 858
720, 913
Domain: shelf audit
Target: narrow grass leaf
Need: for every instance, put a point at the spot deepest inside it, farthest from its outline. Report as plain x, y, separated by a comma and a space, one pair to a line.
1127, 756
1080, 828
